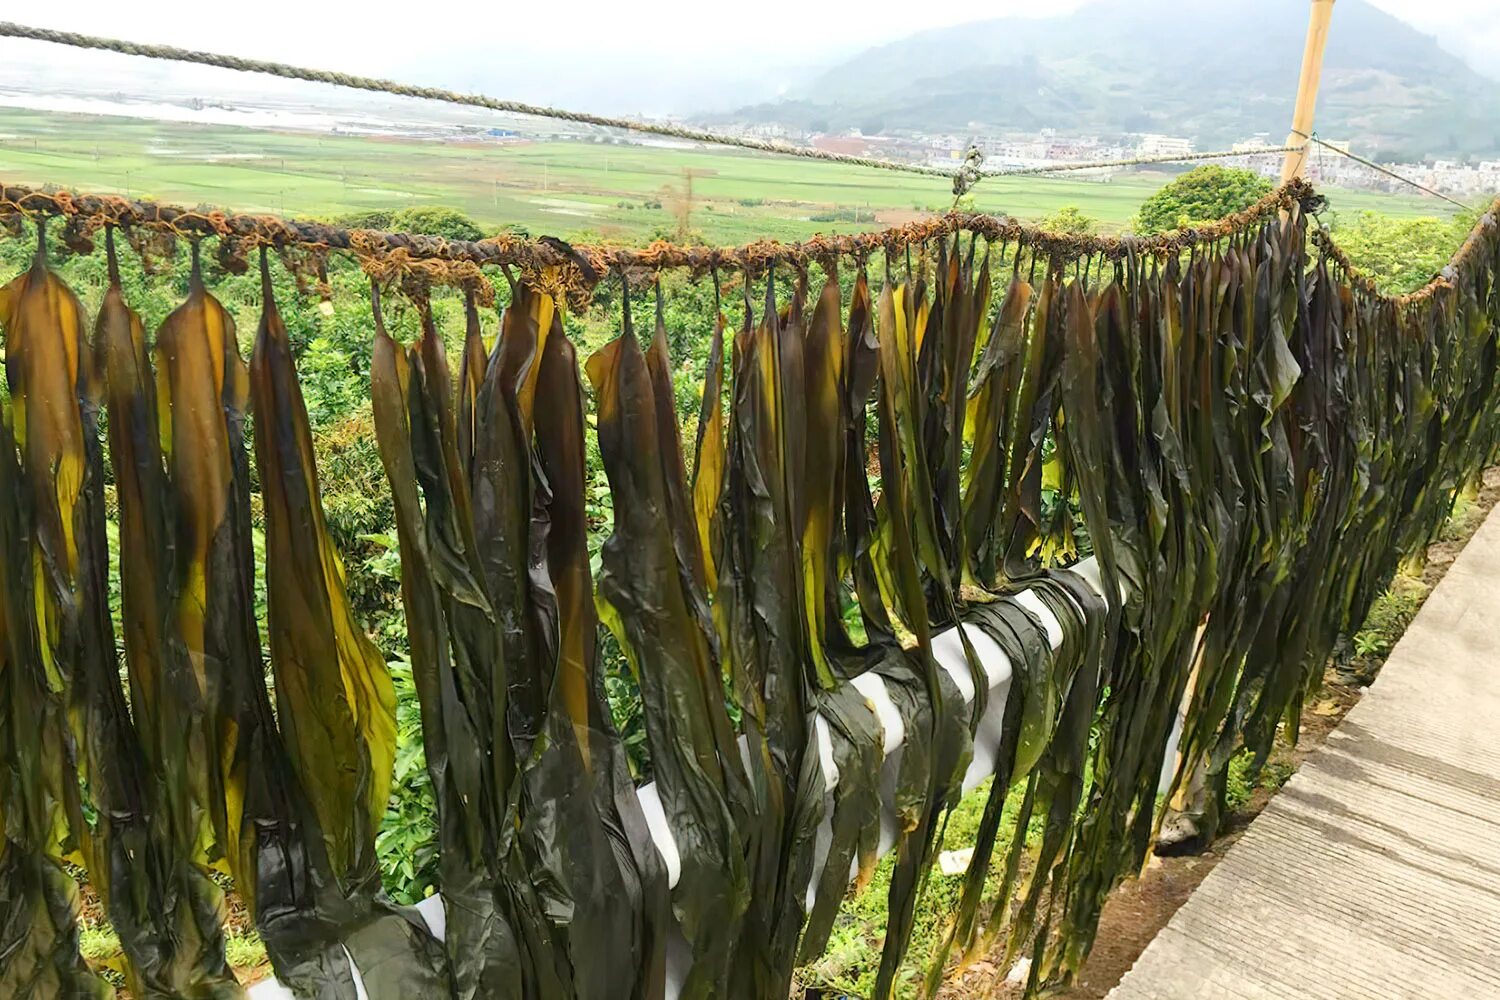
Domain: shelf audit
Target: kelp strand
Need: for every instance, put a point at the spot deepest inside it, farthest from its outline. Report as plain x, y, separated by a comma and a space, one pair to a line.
1244, 433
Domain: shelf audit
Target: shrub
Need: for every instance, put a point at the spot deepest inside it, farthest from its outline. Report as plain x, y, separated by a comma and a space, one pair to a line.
1201, 195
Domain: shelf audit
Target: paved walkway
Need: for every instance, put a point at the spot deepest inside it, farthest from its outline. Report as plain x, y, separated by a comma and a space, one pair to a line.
1375, 873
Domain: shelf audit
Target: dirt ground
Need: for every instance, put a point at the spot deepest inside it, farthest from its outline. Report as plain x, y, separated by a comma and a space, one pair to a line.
1141, 907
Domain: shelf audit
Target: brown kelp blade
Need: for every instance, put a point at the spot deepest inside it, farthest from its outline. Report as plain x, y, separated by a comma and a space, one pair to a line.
201, 398
167, 912
171, 708
578, 803
501, 413
336, 700
337, 705
642, 598
456, 658
709, 453
39, 901
910, 557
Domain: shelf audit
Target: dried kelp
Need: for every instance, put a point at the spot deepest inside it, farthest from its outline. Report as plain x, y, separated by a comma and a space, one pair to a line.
39, 796
549, 894
141, 856
336, 709
1245, 435
650, 600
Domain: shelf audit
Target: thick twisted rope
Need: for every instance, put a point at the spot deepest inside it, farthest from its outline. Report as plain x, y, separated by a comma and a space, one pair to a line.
578, 268
1444, 280
586, 264
962, 176
356, 82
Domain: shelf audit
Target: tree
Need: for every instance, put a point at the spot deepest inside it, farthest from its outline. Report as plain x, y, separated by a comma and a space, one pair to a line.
1402, 254
1070, 220
435, 220
1203, 194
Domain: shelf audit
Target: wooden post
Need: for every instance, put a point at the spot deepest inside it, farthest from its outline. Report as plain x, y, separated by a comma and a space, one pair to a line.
1307, 89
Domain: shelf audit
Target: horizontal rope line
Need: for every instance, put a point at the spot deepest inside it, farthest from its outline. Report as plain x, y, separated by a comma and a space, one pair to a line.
594, 261
587, 264
1219, 154
1384, 170
172, 53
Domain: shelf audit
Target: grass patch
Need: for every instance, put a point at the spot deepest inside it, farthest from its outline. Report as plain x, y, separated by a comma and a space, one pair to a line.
1465, 518
1389, 616
245, 951
852, 959
1242, 782
98, 944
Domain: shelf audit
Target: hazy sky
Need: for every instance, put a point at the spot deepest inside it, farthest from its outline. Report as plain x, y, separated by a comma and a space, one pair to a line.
589, 41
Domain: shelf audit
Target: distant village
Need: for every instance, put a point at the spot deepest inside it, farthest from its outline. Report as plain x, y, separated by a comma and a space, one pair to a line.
1050, 148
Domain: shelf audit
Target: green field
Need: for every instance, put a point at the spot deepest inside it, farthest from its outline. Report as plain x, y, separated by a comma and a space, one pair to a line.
569, 189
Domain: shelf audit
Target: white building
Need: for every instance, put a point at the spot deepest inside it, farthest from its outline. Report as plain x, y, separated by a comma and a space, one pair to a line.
1152, 144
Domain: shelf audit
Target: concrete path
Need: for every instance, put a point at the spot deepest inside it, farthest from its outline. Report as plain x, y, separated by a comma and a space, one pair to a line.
1375, 873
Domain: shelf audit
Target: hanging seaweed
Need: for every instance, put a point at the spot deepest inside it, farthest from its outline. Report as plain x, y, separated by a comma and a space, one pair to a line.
171, 702
650, 600
336, 708
141, 855
822, 619
40, 812
456, 660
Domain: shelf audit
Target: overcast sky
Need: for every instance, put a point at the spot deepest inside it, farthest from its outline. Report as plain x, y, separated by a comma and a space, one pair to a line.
469, 45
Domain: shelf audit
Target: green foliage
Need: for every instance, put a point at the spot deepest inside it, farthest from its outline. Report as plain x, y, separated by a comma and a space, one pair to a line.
378, 218
434, 220
245, 951
1401, 254
407, 843
1389, 616
1070, 219
853, 952
1200, 195
357, 506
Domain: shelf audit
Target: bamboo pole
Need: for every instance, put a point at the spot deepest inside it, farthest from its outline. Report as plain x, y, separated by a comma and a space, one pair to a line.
1307, 89
1190, 794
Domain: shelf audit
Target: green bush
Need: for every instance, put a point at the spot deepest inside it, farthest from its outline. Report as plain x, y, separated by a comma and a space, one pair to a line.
1401, 254
1201, 195
1069, 219
434, 220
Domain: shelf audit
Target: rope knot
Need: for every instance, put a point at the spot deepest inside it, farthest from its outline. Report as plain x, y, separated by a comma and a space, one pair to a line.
969, 173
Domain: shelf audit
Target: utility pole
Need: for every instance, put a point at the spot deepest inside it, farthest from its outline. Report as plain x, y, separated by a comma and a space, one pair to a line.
684, 207
1307, 89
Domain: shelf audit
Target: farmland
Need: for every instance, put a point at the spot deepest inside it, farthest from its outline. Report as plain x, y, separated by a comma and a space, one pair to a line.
570, 189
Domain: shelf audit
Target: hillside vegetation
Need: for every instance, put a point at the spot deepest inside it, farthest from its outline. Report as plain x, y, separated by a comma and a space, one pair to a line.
1215, 72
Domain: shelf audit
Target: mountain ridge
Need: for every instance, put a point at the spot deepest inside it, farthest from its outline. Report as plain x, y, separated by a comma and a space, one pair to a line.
1215, 73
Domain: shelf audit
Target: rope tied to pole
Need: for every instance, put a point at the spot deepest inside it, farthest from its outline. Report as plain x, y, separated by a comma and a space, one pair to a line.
968, 174
1312, 137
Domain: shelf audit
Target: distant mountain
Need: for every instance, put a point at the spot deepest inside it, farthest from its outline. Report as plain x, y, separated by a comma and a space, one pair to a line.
1216, 72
